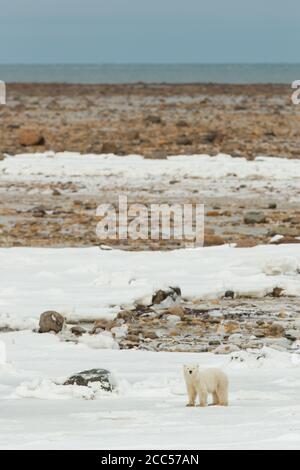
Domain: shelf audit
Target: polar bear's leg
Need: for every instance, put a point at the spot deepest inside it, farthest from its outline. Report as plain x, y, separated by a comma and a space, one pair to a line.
215, 399
202, 392
191, 394
222, 393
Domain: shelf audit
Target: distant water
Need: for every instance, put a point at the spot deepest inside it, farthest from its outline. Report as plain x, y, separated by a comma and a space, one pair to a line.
152, 73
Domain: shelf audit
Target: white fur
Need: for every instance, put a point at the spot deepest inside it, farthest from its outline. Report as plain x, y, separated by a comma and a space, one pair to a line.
201, 382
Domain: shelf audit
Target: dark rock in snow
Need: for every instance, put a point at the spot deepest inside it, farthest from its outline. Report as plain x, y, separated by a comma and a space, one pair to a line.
229, 294
102, 376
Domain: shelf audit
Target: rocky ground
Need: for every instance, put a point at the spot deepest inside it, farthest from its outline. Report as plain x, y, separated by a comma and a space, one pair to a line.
64, 213
154, 121
221, 326
151, 120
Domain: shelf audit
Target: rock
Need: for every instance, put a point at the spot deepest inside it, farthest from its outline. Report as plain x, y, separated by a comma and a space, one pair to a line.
102, 324
125, 315
259, 334
173, 319
276, 330
2, 157
28, 138
255, 217
39, 211
246, 243
282, 314
229, 294
109, 147
78, 330
226, 349
119, 332
292, 335
213, 214
172, 292
236, 338
101, 376
176, 310
182, 123
231, 327
272, 205
133, 135
153, 119
285, 231
213, 240
51, 321
286, 240
277, 292
150, 335
133, 338
184, 140
212, 137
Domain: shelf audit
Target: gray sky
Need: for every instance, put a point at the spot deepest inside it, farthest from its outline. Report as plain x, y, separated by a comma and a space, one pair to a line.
109, 31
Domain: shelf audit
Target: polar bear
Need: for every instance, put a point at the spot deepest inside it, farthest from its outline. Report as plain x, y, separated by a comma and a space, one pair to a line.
201, 382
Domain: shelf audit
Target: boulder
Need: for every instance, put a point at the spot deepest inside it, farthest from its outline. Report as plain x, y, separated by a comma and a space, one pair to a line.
182, 123
229, 294
184, 140
102, 324
153, 119
226, 349
101, 376
31, 137
51, 321
277, 292
245, 243
276, 330
172, 292
286, 240
213, 240
255, 217
173, 319
109, 147
78, 330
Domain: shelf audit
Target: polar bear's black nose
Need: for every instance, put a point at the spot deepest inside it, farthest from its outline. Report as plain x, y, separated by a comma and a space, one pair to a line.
190, 371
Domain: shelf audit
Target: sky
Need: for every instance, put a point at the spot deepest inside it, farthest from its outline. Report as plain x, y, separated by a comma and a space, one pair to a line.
149, 31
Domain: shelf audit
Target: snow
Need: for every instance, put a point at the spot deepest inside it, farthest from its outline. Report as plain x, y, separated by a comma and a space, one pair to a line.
90, 283
202, 173
147, 410
52, 165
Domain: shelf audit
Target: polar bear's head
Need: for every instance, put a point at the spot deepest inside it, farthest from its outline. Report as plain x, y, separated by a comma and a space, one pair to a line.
190, 369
